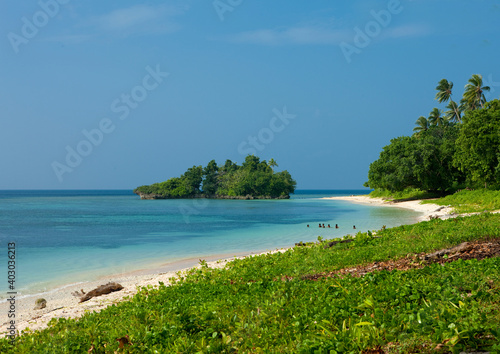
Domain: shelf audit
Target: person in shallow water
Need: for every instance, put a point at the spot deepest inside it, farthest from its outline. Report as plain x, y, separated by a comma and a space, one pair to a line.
336, 226
328, 225
353, 226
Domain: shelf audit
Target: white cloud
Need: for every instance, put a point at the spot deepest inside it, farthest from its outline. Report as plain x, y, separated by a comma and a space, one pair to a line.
122, 19
320, 35
293, 35
410, 30
140, 19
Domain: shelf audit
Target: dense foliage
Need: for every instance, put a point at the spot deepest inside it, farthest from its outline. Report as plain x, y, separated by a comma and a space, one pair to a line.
457, 149
253, 178
478, 146
264, 304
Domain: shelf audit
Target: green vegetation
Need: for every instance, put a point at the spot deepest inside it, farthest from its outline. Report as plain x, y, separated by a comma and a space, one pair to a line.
267, 304
407, 194
448, 151
467, 201
254, 178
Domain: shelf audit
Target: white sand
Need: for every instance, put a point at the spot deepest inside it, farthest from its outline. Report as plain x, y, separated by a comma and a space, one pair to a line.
62, 304
427, 210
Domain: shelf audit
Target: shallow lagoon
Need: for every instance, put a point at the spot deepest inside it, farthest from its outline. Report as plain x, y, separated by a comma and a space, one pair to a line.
65, 237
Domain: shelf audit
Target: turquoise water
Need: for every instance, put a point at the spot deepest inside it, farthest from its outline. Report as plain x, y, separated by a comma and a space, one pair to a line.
66, 237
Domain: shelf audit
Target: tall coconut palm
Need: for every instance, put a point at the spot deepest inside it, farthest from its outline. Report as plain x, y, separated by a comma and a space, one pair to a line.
454, 113
435, 118
444, 93
473, 97
422, 124
444, 88
272, 163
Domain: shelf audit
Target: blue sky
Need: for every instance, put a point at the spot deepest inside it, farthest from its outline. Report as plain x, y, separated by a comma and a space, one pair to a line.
118, 94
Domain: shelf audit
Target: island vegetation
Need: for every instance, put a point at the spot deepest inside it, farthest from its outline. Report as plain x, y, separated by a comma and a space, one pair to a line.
451, 150
254, 179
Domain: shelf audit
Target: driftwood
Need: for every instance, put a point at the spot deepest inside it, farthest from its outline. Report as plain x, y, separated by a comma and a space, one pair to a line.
333, 243
100, 290
438, 254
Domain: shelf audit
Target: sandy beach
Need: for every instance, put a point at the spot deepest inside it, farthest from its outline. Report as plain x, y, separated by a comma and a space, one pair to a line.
427, 210
62, 304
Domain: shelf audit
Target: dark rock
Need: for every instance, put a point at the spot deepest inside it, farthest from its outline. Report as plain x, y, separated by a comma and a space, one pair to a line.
40, 304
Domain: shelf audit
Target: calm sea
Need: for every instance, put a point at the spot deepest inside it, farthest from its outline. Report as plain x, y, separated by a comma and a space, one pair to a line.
64, 237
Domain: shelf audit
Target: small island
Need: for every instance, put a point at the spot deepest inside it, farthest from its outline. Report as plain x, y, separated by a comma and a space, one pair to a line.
254, 179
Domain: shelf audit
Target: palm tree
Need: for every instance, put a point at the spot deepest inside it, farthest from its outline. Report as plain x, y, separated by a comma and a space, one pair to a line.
473, 97
454, 112
435, 117
272, 163
422, 125
444, 88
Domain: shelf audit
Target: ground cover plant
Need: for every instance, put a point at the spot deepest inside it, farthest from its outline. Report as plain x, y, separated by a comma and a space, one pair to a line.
469, 201
407, 194
268, 304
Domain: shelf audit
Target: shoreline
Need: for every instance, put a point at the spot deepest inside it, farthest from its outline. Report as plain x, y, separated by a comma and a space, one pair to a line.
427, 210
62, 304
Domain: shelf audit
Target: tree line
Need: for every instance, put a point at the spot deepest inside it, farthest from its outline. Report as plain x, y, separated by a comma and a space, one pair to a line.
448, 150
254, 178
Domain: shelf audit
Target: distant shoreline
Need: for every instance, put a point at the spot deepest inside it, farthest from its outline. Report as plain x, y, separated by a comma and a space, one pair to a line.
151, 196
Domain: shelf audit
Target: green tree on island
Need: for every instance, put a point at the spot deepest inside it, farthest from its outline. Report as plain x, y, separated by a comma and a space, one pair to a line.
253, 179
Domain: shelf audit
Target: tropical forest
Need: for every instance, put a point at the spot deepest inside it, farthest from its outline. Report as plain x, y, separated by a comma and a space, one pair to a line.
451, 149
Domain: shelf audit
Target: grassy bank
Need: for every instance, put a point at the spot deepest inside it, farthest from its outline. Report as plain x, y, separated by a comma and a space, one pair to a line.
407, 194
469, 201
268, 304
464, 201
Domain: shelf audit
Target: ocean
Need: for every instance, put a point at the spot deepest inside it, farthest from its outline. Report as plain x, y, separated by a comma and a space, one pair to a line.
66, 237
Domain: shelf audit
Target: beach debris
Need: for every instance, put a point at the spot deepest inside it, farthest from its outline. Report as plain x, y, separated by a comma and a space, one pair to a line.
40, 304
77, 293
438, 254
480, 249
333, 243
124, 341
101, 290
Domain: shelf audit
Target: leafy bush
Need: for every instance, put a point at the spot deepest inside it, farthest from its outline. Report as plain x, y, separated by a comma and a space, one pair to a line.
467, 201
406, 194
